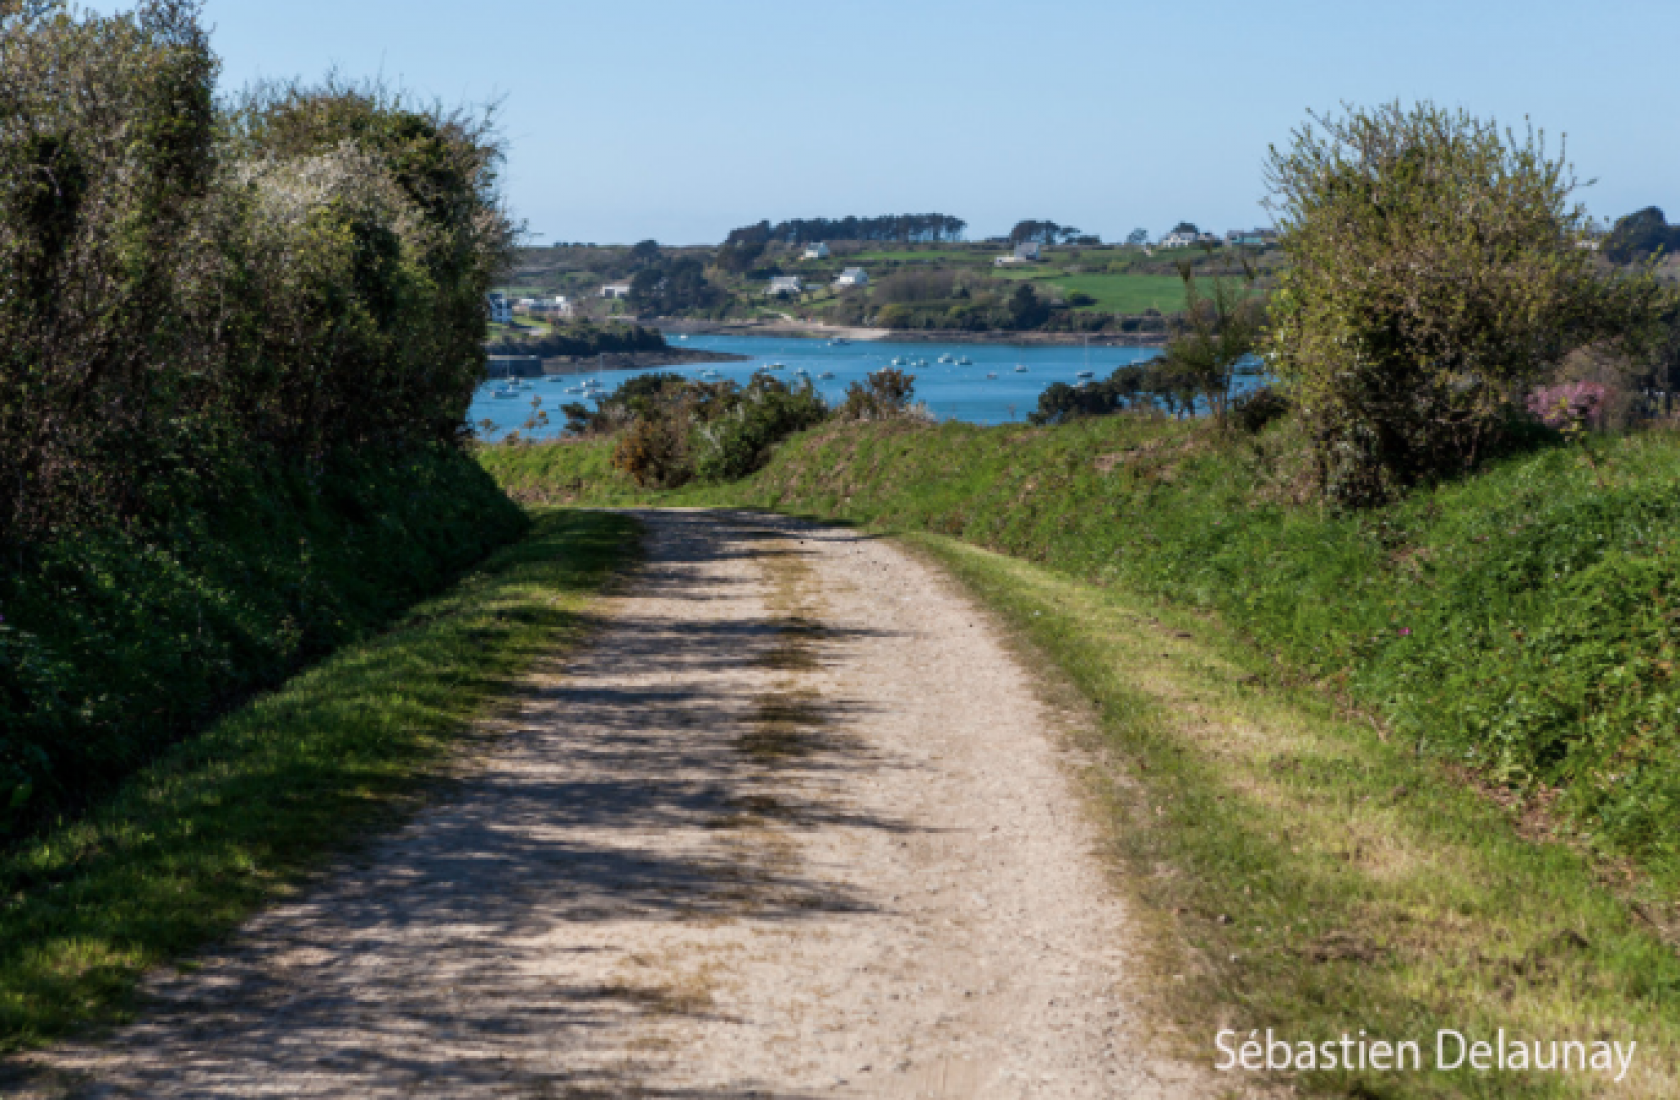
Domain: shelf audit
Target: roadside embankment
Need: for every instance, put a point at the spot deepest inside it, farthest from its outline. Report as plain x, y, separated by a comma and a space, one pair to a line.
230, 820
1302, 877
1519, 626
121, 639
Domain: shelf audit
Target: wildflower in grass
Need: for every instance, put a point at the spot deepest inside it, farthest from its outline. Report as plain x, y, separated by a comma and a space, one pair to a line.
1405, 632
1569, 407
1572, 408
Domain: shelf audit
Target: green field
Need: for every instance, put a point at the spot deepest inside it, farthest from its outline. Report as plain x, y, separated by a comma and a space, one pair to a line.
1113, 293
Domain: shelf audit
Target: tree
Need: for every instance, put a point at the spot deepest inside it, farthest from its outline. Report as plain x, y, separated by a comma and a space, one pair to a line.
1433, 280
1219, 328
1043, 232
1187, 227
1026, 308
644, 253
1640, 235
1137, 237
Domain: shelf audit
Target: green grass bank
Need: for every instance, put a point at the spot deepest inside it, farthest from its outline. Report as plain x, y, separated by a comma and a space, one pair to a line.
119, 639
1292, 870
1520, 626
232, 819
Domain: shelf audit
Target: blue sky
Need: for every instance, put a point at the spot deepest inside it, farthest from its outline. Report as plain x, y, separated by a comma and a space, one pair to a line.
678, 119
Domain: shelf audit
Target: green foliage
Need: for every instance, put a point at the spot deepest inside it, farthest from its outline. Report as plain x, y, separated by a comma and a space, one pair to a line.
672, 430
1154, 386
1639, 236
229, 821
1257, 409
117, 642
1434, 278
582, 340
197, 494
739, 439
1218, 332
883, 394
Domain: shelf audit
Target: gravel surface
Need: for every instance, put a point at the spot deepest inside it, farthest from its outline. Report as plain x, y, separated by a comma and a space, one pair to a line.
795, 824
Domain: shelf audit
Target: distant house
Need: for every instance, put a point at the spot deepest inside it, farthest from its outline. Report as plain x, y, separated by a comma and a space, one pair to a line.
1027, 252
501, 310
1251, 238
557, 306
785, 284
818, 251
616, 290
1178, 239
852, 277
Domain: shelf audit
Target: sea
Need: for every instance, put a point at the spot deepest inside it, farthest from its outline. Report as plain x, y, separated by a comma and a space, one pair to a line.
1001, 383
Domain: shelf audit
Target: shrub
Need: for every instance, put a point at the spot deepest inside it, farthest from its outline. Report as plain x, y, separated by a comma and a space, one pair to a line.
673, 429
883, 395
1572, 405
654, 449
1433, 279
739, 441
1256, 409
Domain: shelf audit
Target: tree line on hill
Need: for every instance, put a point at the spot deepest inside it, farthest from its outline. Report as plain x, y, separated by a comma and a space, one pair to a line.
902, 228
1048, 232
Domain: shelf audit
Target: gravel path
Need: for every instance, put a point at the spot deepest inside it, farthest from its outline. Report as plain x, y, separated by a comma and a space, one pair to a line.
793, 825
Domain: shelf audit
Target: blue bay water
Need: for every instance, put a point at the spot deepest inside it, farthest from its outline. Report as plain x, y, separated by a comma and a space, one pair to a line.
950, 392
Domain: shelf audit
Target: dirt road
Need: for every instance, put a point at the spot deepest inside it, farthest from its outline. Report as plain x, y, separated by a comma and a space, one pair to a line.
794, 825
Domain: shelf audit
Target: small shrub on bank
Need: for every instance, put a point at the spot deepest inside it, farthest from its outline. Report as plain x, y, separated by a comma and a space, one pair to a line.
671, 430
885, 394
1255, 410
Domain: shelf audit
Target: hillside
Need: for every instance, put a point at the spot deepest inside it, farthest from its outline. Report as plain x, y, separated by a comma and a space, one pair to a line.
945, 285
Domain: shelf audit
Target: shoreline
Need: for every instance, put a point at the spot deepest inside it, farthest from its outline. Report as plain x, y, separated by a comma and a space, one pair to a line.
814, 331
637, 360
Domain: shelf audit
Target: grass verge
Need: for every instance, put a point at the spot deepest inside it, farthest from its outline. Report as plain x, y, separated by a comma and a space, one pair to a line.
1305, 875
234, 818
1522, 624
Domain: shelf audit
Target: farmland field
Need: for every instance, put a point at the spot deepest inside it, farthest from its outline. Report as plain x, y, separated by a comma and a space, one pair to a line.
1113, 293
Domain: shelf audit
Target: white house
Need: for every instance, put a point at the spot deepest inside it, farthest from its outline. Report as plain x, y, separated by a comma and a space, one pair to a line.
1025, 253
852, 277
501, 311
818, 251
785, 284
616, 290
1179, 239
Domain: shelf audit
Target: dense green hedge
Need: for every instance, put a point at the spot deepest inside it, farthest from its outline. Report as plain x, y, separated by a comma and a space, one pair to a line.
118, 641
238, 341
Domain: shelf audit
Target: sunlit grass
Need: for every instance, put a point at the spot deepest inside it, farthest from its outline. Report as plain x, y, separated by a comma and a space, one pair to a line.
230, 820
1301, 874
